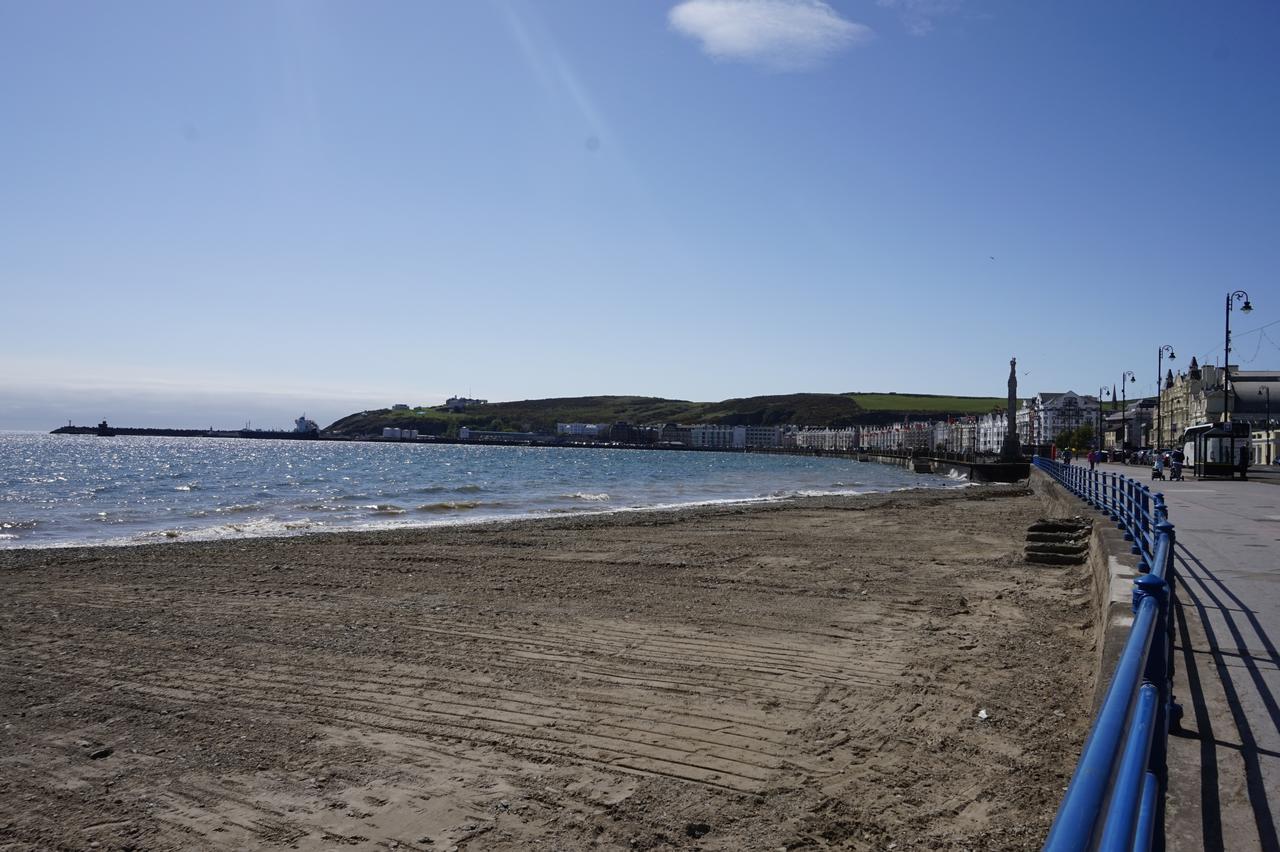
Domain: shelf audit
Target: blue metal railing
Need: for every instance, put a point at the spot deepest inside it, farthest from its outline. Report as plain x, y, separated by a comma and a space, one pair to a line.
1116, 798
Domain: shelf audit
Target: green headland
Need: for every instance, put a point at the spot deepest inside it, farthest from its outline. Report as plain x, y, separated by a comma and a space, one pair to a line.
830, 410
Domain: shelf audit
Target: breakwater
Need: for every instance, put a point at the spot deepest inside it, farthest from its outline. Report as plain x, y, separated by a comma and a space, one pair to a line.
974, 471
104, 430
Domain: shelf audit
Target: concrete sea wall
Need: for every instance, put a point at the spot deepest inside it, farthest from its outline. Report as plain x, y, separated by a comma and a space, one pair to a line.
1112, 570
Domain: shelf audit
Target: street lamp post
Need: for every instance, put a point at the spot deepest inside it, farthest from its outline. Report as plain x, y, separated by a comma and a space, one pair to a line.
1237, 296
1101, 393
1159, 395
1125, 377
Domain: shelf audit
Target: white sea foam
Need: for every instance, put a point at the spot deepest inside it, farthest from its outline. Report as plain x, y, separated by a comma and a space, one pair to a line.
384, 509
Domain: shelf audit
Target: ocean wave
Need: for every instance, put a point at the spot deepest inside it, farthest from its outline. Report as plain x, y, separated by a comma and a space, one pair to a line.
7, 536
19, 525
469, 488
591, 498
190, 486
384, 509
460, 505
248, 529
238, 508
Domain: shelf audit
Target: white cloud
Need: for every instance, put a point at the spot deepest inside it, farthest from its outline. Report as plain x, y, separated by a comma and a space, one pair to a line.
784, 34
918, 15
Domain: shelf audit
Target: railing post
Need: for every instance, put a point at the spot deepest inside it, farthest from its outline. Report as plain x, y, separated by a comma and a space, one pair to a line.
1126, 513
1159, 511
1150, 519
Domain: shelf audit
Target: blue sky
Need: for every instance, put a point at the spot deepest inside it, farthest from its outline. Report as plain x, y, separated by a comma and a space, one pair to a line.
217, 212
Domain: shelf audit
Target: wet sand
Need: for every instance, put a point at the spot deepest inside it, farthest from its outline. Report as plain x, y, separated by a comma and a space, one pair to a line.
806, 675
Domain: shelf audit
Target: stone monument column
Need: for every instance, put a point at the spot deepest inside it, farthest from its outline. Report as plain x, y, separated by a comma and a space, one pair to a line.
1011, 451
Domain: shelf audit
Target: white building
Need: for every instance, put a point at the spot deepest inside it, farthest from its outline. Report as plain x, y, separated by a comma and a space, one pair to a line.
1046, 415
461, 403
582, 430
718, 437
941, 437
957, 436
991, 429
763, 436
825, 439
898, 436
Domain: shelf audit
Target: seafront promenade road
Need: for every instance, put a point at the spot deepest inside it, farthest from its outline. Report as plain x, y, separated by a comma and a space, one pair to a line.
1224, 782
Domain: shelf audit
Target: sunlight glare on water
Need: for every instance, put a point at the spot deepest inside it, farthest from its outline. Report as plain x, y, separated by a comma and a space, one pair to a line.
66, 489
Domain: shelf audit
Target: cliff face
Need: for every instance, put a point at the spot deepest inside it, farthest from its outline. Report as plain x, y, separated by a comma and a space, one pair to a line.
802, 409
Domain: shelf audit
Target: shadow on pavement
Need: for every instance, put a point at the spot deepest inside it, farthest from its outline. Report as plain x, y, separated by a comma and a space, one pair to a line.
1202, 589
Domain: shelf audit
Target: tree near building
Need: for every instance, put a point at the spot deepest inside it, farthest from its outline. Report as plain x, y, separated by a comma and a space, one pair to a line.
1079, 438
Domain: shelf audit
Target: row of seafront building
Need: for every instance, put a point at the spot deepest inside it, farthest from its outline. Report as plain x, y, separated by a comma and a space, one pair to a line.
712, 436
1039, 420
1186, 400
897, 436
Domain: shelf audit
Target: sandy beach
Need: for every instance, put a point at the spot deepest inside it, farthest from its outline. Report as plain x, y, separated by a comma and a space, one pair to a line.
825, 673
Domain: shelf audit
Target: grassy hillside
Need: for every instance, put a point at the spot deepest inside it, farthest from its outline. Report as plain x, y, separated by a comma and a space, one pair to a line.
924, 403
803, 409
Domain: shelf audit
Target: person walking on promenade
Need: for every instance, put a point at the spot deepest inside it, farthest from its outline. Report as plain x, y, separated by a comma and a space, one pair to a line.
1093, 459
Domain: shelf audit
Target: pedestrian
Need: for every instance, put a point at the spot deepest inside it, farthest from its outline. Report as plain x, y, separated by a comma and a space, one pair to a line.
1093, 459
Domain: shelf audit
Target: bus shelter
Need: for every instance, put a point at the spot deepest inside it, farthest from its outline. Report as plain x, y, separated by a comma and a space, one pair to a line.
1220, 450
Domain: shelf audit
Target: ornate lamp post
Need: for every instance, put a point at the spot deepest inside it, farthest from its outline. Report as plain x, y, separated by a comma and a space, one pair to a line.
1238, 295
1159, 394
1102, 391
1125, 377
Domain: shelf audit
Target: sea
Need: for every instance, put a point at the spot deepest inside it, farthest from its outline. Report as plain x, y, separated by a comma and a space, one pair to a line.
66, 490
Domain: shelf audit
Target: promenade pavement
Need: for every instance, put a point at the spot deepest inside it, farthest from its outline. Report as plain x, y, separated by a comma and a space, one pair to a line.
1224, 757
